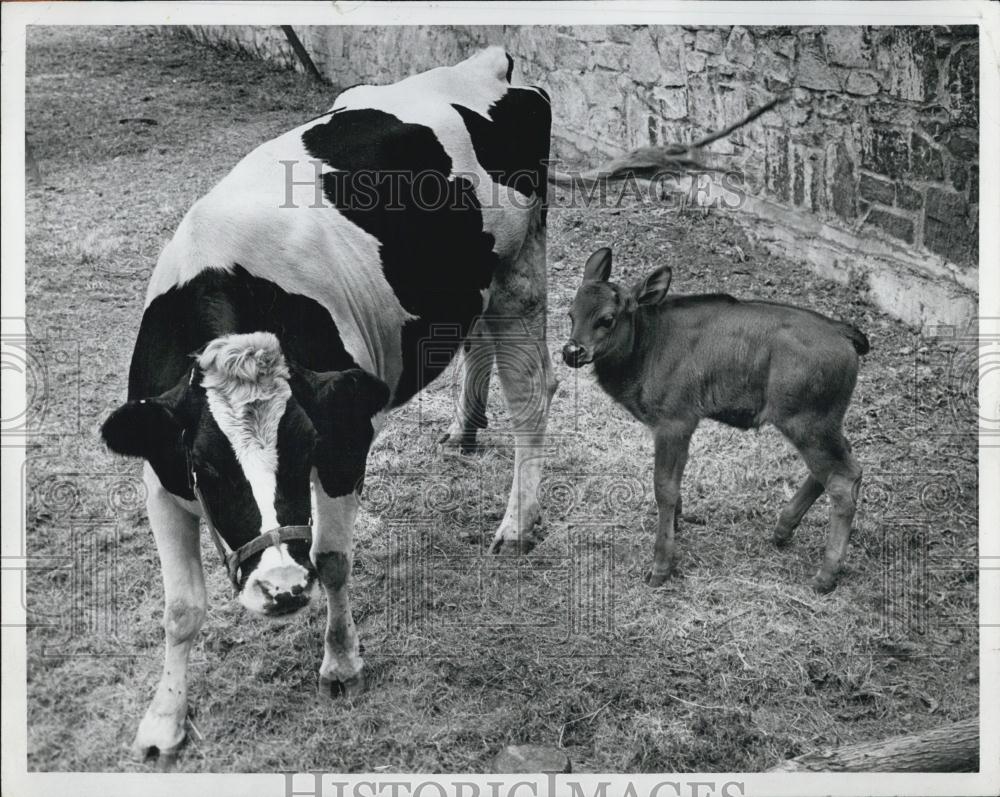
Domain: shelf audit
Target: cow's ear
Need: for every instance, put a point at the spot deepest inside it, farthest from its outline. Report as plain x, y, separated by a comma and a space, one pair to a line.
598, 267
653, 289
340, 405
142, 428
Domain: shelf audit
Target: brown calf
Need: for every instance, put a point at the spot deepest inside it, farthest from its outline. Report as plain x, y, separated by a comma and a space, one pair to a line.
673, 361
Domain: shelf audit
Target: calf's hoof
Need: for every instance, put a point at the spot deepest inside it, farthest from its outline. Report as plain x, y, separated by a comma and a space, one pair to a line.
823, 582
349, 688
782, 538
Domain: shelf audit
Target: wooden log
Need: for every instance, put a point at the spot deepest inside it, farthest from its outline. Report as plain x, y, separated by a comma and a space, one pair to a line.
302, 53
948, 748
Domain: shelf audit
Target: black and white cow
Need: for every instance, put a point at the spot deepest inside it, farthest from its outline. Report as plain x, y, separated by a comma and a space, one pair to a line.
290, 312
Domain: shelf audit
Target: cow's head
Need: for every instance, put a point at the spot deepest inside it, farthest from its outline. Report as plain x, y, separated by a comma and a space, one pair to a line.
602, 312
250, 428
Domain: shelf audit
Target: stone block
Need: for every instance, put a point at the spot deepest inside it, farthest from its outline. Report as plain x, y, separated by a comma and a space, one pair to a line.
670, 47
841, 171
876, 190
925, 158
946, 225
898, 227
861, 83
609, 55
908, 197
531, 759
814, 73
908, 56
959, 175
962, 83
847, 46
776, 169
672, 102
886, 151
962, 143
708, 40
644, 59
740, 48
694, 60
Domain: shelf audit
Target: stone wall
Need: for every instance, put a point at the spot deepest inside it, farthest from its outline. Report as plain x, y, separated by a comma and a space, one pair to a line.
870, 172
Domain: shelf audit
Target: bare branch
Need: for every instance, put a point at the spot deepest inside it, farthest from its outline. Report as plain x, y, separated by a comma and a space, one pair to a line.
647, 161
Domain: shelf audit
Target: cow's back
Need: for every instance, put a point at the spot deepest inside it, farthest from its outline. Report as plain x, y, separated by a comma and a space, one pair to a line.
427, 188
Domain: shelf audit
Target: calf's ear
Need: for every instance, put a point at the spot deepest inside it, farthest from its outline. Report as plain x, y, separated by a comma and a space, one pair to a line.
340, 405
653, 289
598, 266
142, 428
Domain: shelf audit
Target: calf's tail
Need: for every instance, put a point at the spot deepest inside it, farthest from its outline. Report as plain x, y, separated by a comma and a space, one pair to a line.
858, 339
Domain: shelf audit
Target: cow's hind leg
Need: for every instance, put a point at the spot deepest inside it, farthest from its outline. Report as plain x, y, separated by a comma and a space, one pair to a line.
332, 552
516, 321
795, 510
475, 368
161, 731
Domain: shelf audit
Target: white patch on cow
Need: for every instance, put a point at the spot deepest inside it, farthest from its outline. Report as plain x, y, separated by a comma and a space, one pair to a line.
246, 385
485, 293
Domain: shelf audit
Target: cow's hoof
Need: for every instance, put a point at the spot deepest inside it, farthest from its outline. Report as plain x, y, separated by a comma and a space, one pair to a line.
164, 757
511, 547
349, 688
655, 579
823, 582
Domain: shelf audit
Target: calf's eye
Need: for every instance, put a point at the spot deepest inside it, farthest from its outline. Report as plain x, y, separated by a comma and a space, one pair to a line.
606, 321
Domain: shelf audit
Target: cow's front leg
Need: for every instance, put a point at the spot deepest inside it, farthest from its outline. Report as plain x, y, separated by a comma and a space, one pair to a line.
516, 321
175, 530
332, 553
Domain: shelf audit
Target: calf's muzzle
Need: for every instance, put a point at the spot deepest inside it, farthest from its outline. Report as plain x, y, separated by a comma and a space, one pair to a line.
575, 355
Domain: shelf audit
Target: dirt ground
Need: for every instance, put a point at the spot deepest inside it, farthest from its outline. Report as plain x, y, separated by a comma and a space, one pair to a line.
732, 666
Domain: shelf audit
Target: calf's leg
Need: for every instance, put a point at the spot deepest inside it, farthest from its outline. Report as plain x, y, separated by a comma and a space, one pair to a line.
671, 452
796, 509
332, 553
831, 463
516, 321
475, 369
176, 533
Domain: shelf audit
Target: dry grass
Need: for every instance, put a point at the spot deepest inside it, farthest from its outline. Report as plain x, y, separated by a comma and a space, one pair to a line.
732, 666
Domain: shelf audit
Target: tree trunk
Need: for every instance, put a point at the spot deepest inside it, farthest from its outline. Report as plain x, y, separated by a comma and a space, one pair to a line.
949, 748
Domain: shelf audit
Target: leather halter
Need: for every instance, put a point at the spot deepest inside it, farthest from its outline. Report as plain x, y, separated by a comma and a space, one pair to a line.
233, 559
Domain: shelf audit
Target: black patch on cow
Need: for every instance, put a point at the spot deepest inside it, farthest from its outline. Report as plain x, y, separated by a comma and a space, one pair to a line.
513, 144
392, 181
333, 569
340, 405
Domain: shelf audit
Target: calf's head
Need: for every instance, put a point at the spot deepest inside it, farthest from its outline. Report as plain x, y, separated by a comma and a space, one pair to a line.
602, 312
249, 428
